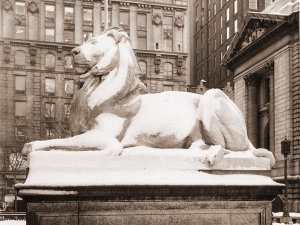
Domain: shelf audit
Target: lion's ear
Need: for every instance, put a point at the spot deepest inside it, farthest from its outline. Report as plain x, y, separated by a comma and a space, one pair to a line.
117, 36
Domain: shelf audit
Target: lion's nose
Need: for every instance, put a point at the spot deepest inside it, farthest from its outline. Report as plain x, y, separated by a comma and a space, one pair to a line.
75, 51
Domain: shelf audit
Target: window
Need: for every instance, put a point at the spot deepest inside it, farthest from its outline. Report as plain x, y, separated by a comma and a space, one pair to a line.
49, 34
50, 23
142, 31
227, 14
69, 24
68, 62
49, 110
20, 109
227, 32
221, 55
49, 60
20, 58
50, 130
50, 85
208, 14
227, 47
69, 87
215, 62
215, 9
87, 16
235, 26
215, 44
20, 8
202, 20
143, 68
20, 84
221, 3
67, 108
215, 27
208, 33
168, 33
168, 70
50, 12
124, 21
69, 14
87, 24
235, 7
20, 32
221, 38
20, 20
252, 4
69, 35
103, 19
221, 21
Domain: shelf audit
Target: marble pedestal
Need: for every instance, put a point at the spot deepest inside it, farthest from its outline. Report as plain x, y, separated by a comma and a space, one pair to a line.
58, 193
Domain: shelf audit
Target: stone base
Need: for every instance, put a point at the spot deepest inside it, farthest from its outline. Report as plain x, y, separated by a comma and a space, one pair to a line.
150, 204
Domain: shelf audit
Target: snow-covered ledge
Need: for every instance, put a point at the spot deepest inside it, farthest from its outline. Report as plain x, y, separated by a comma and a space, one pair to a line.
144, 166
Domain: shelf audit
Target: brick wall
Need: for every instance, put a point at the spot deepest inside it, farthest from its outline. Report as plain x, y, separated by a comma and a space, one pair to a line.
296, 99
282, 96
240, 95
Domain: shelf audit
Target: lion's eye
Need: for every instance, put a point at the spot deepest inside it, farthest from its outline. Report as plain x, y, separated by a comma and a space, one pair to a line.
93, 41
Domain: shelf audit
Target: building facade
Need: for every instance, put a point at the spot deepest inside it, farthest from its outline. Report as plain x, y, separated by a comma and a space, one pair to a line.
214, 23
36, 68
264, 60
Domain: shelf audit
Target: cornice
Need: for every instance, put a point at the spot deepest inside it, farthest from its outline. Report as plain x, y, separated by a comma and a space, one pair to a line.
69, 47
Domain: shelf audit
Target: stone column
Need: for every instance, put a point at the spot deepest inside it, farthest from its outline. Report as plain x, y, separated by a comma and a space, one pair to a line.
115, 15
185, 34
97, 18
78, 22
270, 74
33, 16
133, 30
59, 21
252, 125
42, 21
149, 32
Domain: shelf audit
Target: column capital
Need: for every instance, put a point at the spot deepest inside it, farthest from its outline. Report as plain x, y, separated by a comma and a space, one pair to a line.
269, 67
251, 80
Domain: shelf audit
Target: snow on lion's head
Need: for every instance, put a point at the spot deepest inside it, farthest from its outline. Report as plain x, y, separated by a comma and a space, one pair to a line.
108, 73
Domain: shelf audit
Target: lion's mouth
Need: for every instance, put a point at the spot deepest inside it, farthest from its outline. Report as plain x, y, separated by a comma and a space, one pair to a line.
81, 68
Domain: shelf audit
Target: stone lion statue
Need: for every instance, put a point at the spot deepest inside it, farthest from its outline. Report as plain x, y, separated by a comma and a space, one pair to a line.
110, 111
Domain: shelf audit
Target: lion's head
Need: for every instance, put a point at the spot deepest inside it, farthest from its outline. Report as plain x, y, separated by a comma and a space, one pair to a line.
108, 73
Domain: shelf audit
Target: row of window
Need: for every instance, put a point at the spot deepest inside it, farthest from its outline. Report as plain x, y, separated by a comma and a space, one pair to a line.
227, 14
50, 60
69, 28
49, 110
50, 85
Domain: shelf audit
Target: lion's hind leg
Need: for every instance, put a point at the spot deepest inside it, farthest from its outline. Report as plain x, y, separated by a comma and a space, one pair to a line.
221, 121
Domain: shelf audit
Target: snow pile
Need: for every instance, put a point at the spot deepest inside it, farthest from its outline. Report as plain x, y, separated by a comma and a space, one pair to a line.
142, 166
13, 222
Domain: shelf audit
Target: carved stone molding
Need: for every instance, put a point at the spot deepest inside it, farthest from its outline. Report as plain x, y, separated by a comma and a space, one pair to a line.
156, 19
179, 63
270, 68
251, 80
179, 21
157, 61
7, 5
6, 51
59, 52
32, 52
33, 6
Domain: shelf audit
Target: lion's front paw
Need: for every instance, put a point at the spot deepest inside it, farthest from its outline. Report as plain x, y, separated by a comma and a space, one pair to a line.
215, 154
